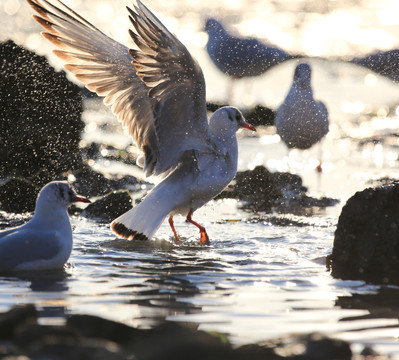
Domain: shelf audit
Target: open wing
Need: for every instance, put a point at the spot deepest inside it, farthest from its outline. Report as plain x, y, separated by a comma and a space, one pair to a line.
160, 98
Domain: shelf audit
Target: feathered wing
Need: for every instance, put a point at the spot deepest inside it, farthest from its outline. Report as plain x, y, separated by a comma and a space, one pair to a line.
177, 84
161, 93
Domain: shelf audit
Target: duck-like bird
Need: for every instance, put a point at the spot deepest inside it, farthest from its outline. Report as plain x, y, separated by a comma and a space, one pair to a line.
45, 241
157, 91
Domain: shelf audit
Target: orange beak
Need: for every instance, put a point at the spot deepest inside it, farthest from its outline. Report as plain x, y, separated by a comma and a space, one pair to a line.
248, 126
81, 199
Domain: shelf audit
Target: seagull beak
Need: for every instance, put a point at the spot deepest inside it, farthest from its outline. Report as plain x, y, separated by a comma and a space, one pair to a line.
82, 199
248, 126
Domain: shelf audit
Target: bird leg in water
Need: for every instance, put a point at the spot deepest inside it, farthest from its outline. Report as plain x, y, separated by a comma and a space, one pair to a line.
173, 228
204, 238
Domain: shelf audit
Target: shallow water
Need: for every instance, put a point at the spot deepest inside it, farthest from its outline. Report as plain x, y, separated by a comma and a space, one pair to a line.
256, 280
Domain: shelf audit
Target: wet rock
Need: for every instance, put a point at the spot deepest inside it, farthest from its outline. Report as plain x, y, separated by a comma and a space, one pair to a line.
40, 116
92, 183
260, 115
91, 337
16, 318
18, 195
263, 191
314, 346
109, 207
366, 243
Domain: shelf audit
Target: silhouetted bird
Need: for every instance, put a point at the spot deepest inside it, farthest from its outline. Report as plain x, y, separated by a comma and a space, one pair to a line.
385, 63
240, 57
301, 121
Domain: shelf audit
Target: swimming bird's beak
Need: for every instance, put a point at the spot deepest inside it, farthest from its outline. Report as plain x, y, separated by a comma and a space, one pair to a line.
246, 125
82, 199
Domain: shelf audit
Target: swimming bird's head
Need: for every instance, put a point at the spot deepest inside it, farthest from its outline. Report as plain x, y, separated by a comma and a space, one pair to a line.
58, 194
214, 28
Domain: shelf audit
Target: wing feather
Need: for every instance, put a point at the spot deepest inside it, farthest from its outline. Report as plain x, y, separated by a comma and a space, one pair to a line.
157, 90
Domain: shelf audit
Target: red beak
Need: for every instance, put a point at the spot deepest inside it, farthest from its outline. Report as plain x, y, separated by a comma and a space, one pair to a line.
81, 199
248, 126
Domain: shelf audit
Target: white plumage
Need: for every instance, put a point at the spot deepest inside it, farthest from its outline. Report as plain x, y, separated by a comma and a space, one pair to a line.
44, 242
158, 92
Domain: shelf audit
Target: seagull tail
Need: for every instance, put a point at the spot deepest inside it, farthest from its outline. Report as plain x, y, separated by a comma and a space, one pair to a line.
141, 222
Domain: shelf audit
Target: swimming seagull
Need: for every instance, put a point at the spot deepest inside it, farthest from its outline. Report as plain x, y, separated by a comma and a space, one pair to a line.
158, 92
301, 121
45, 241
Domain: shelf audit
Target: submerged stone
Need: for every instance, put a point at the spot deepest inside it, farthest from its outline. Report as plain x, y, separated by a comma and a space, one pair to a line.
366, 243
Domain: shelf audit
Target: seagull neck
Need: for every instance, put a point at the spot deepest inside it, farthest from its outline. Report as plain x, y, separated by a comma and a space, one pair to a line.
46, 212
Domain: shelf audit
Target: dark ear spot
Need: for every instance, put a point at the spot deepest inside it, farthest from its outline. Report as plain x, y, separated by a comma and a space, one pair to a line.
230, 117
61, 192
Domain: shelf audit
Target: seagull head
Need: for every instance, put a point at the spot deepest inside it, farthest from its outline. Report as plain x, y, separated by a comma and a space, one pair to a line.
302, 75
228, 120
58, 194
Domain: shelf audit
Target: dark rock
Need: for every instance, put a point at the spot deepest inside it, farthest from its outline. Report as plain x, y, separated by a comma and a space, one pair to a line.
260, 115
29, 336
109, 207
91, 337
18, 195
61, 349
383, 304
40, 116
91, 151
92, 183
95, 327
212, 107
263, 191
366, 243
16, 318
314, 346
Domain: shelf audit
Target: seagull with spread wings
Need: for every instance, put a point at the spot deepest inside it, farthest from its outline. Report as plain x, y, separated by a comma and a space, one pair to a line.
157, 91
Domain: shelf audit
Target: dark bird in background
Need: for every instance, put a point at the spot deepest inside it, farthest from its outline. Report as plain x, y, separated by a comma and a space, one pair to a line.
240, 57
385, 63
302, 121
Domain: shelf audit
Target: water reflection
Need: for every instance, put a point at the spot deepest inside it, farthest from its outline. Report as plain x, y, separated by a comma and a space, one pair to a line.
383, 304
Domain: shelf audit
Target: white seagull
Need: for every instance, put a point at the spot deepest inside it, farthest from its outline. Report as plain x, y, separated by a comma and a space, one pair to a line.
158, 92
301, 121
45, 241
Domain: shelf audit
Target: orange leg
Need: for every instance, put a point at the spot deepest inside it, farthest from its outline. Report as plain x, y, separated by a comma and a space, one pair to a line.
204, 238
173, 228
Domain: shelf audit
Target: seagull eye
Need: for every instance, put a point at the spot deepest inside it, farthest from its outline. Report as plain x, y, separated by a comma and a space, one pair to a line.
238, 117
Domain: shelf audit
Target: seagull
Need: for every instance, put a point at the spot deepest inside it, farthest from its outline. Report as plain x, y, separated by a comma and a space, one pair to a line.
45, 241
240, 57
157, 91
301, 121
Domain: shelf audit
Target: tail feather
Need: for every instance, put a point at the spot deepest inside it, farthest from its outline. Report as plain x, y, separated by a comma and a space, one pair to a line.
141, 222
